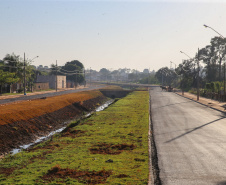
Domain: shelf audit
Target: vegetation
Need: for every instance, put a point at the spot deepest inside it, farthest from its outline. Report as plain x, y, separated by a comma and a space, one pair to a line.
109, 147
74, 71
205, 65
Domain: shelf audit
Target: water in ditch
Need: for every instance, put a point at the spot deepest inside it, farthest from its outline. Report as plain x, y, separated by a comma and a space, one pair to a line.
40, 139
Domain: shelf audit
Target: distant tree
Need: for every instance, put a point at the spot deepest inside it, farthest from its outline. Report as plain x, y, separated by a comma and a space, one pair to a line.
104, 71
72, 70
166, 76
11, 62
104, 74
146, 71
7, 78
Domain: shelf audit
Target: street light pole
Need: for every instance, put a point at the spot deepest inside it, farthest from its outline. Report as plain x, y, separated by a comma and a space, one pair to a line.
24, 77
84, 77
224, 63
224, 83
214, 30
186, 54
56, 75
197, 73
198, 77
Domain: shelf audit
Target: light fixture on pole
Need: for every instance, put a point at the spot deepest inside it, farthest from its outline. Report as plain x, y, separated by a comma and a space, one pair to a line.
224, 63
214, 30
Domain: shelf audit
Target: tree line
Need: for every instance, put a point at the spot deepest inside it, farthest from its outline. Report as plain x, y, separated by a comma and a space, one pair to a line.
206, 67
13, 67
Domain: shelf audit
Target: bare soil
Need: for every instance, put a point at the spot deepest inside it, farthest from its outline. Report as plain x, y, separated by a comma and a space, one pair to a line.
88, 177
104, 148
16, 131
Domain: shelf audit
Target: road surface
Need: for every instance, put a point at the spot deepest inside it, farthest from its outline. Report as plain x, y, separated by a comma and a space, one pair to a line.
190, 140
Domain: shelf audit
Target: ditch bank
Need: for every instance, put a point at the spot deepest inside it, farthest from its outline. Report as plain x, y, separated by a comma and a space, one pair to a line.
22, 123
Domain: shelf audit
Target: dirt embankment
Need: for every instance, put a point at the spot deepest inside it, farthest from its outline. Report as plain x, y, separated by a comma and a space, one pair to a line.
22, 122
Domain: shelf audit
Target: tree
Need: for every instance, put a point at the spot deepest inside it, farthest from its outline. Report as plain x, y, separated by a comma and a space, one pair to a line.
104, 74
73, 71
218, 44
166, 76
7, 78
11, 62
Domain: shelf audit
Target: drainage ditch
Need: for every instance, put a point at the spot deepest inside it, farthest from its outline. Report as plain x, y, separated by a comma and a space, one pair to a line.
44, 138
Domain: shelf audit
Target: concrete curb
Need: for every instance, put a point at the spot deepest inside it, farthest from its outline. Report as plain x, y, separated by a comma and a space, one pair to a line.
154, 178
217, 109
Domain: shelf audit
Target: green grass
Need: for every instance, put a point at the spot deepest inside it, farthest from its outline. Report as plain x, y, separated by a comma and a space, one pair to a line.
124, 122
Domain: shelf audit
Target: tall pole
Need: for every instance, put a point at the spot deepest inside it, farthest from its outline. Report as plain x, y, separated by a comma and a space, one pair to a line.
76, 79
24, 77
198, 78
224, 83
148, 75
90, 76
214, 30
84, 77
56, 75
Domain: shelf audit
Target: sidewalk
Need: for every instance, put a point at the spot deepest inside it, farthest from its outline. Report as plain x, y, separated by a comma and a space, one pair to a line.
221, 106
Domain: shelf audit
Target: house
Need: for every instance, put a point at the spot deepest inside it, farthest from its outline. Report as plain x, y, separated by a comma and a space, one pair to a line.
61, 81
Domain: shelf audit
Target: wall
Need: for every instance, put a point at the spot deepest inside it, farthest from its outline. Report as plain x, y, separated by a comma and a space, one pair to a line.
41, 86
61, 81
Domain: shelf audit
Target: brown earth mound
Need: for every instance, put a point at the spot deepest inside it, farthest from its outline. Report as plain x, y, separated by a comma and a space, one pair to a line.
104, 148
6, 171
21, 123
87, 177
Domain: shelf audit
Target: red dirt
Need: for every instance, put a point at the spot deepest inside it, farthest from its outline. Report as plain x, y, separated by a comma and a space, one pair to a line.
122, 176
104, 148
6, 171
87, 177
21, 123
73, 133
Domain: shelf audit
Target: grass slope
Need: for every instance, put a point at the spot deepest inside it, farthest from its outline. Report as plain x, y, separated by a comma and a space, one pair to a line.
109, 147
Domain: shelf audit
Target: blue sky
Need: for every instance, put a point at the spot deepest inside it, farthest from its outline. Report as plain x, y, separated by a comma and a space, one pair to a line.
111, 34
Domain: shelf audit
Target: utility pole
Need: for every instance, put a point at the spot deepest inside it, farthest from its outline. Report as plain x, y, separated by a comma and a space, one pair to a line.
76, 79
224, 83
56, 75
90, 76
24, 77
148, 76
84, 77
198, 77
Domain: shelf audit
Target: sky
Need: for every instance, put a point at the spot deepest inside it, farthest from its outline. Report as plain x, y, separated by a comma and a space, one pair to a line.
112, 34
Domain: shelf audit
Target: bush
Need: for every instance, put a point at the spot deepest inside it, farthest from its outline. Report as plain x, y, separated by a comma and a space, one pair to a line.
212, 86
19, 90
208, 87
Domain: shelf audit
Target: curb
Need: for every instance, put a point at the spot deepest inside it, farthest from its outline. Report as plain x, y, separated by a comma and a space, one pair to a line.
154, 178
201, 103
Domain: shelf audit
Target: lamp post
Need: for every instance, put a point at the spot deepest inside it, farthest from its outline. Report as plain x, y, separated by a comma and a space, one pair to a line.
224, 63
214, 30
56, 75
25, 73
84, 77
197, 72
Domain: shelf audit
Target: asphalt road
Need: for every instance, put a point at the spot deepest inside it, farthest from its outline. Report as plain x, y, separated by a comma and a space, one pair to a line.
37, 96
190, 140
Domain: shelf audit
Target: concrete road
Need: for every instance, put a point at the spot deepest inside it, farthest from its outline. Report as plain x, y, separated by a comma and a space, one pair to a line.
190, 140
